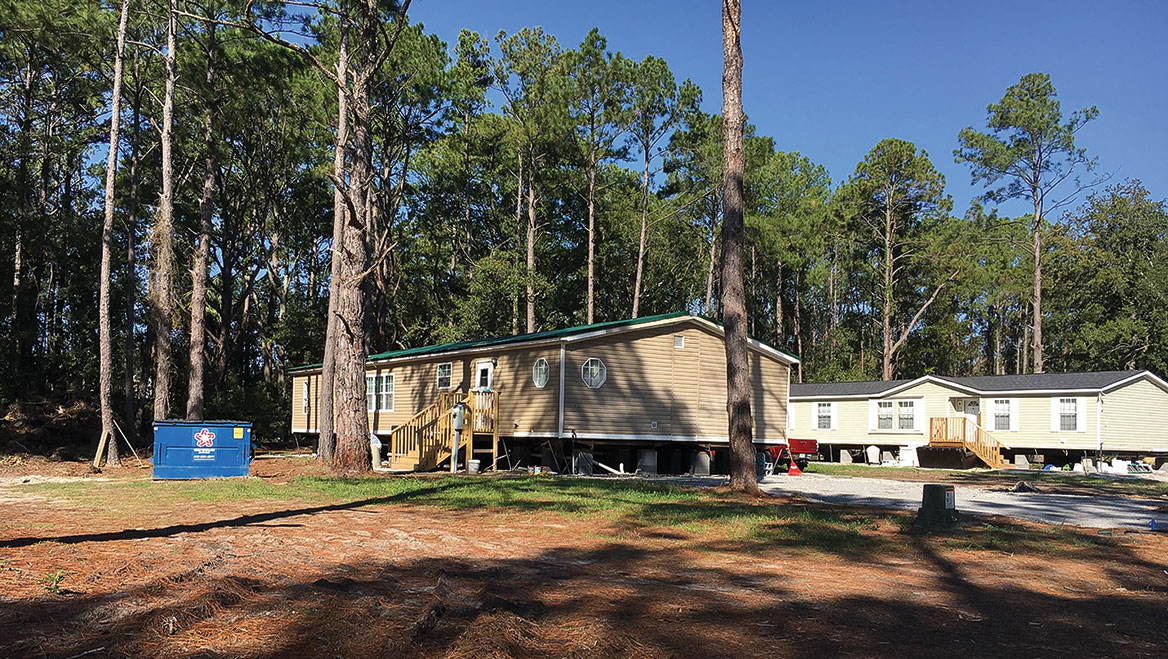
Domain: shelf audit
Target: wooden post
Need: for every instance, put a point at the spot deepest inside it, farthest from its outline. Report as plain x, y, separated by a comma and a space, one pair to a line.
100, 448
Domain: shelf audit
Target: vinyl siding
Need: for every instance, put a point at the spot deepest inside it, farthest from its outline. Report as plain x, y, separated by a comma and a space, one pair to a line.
415, 385
683, 390
300, 421
523, 407
1134, 418
1033, 422
852, 418
637, 391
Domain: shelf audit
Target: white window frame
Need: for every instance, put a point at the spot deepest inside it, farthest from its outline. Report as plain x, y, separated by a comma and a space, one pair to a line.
1080, 413
547, 375
918, 407
370, 392
305, 392
831, 410
679, 341
900, 406
790, 414
449, 375
382, 394
603, 373
489, 366
1012, 404
874, 415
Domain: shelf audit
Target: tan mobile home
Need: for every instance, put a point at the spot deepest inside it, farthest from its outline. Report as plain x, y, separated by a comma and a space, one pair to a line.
1059, 416
654, 384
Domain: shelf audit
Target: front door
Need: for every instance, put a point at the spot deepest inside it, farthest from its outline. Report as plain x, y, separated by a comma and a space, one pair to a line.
484, 374
972, 409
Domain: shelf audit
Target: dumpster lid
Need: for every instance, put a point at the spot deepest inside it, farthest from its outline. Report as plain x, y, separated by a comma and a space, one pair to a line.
208, 422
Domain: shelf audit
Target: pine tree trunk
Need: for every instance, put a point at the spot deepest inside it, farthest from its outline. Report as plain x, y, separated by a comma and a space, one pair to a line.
130, 393
518, 242
352, 453
163, 234
710, 265
105, 330
644, 236
531, 250
780, 340
1037, 286
742, 474
752, 303
201, 258
1024, 343
886, 370
326, 439
834, 295
799, 329
591, 313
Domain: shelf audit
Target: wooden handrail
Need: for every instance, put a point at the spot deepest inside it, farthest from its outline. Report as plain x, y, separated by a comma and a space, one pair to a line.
963, 432
428, 436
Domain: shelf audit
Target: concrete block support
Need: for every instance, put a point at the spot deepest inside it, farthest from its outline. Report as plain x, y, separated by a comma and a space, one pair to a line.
647, 461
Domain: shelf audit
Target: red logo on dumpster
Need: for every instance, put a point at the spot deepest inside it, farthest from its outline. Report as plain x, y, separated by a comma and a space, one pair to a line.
204, 438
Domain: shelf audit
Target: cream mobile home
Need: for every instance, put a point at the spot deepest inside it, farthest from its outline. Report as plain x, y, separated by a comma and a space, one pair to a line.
1061, 417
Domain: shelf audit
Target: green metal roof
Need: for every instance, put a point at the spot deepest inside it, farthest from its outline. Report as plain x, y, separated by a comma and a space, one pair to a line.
534, 336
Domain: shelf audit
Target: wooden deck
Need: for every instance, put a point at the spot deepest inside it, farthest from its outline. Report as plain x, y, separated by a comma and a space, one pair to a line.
427, 439
960, 432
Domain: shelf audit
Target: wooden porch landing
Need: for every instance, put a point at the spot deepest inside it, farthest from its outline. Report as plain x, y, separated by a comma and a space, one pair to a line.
959, 432
427, 439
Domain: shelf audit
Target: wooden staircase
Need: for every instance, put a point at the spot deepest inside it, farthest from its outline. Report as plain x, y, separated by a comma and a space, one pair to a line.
959, 432
427, 438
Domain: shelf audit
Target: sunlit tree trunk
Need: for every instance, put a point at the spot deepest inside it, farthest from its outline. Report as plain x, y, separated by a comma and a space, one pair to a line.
713, 254
591, 304
742, 474
518, 242
644, 237
130, 391
531, 229
202, 255
326, 440
1038, 364
163, 234
105, 338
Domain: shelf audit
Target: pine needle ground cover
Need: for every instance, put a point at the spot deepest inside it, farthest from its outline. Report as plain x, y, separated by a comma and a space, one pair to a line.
296, 563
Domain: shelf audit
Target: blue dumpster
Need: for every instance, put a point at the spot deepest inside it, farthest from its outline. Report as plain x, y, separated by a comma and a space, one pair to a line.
201, 449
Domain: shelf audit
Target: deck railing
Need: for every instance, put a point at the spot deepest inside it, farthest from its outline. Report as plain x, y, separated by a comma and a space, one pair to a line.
427, 438
966, 433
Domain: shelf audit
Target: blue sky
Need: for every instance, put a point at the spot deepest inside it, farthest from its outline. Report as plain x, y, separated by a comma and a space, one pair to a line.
830, 79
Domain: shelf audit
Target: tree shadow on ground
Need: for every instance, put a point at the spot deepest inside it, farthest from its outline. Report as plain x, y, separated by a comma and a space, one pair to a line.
615, 600
679, 573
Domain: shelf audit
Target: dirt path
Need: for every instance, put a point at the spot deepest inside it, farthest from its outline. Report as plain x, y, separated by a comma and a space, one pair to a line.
1089, 511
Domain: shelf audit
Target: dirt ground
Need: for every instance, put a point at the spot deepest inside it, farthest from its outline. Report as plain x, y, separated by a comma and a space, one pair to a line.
272, 578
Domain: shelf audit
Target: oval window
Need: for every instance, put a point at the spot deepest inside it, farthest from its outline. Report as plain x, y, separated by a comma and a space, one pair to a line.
540, 372
594, 373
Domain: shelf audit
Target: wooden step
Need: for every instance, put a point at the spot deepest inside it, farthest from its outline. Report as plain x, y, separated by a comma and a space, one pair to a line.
404, 462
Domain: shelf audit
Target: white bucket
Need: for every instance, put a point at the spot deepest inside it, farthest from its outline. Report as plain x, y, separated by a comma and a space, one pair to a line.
472, 467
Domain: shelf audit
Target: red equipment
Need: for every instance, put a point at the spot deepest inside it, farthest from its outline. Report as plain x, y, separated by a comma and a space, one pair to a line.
795, 454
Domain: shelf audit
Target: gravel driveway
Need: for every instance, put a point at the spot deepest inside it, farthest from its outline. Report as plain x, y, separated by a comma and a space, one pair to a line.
1091, 511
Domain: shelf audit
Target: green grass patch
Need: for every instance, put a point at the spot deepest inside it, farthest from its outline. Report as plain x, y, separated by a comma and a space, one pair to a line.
620, 509
870, 471
1017, 539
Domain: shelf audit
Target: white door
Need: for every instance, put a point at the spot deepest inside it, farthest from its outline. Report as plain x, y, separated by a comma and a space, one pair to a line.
484, 374
972, 409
